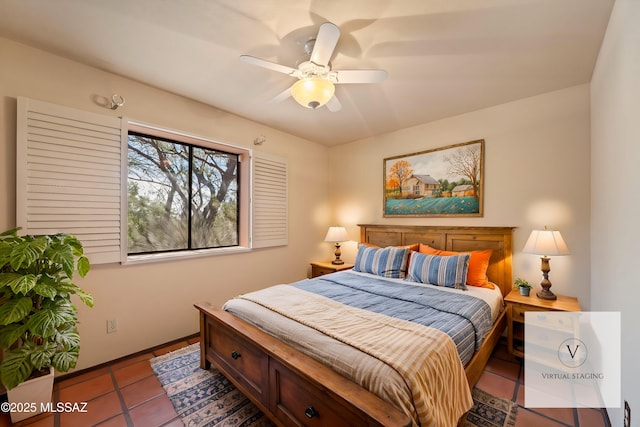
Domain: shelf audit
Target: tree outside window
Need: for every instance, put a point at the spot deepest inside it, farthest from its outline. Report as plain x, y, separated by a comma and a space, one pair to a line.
180, 196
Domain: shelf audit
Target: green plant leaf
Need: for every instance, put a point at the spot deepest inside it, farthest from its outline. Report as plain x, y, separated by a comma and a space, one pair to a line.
19, 283
45, 289
74, 243
15, 310
13, 232
62, 255
83, 266
42, 355
15, 367
64, 360
69, 338
45, 322
26, 252
10, 334
86, 298
5, 253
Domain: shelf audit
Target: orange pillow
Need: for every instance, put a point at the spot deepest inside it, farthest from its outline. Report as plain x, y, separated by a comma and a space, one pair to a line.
478, 264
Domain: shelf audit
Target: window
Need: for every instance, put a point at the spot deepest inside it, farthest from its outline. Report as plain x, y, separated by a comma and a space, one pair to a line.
72, 177
180, 196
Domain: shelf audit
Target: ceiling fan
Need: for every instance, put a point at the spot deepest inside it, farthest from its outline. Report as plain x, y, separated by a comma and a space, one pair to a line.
316, 79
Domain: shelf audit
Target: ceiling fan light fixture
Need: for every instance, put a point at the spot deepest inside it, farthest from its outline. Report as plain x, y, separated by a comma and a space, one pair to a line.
312, 92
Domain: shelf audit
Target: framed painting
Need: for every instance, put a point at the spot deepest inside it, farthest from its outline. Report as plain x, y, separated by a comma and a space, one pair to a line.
443, 182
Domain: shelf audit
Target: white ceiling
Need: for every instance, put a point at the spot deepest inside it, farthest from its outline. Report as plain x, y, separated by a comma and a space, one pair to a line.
444, 57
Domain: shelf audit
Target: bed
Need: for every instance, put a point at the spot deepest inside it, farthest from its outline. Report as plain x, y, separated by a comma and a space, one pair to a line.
310, 375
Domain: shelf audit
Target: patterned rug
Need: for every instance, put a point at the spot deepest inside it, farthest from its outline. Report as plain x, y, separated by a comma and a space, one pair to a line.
207, 398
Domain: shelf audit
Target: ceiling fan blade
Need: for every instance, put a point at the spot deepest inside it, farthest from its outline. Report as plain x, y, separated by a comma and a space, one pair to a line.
281, 96
325, 43
358, 76
269, 65
334, 105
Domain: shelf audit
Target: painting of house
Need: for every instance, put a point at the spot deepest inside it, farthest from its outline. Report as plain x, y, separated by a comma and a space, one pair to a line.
421, 186
463, 190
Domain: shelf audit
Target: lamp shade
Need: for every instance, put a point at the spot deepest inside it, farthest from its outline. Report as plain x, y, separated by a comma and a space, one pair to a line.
312, 92
336, 234
546, 242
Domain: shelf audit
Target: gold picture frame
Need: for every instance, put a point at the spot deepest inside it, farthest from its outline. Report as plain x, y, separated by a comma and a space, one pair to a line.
443, 182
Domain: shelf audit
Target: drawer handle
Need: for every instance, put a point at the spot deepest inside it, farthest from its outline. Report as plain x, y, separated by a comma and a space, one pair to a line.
311, 412
235, 355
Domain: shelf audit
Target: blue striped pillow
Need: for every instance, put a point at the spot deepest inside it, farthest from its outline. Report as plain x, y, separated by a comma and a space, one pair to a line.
385, 262
449, 271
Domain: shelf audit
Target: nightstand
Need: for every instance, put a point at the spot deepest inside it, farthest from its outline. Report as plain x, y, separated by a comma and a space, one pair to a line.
322, 268
517, 305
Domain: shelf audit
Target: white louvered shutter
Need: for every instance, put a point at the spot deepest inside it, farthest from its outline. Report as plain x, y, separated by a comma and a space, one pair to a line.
69, 176
269, 201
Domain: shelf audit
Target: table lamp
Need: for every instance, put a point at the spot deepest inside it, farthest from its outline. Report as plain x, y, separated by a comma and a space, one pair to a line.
337, 235
546, 242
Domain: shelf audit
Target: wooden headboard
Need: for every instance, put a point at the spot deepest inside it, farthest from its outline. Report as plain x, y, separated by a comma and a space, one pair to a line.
460, 239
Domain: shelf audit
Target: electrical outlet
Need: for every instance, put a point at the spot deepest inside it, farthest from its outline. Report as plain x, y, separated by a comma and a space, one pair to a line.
627, 414
112, 325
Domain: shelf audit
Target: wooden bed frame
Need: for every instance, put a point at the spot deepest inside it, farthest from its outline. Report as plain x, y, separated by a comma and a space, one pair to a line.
293, 389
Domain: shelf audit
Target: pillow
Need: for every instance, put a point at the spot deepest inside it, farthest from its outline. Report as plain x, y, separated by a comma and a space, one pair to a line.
449, 271
478, 264
386, 262
415, 247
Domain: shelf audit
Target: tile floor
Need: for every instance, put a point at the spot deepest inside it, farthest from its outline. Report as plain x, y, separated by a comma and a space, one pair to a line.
126, 393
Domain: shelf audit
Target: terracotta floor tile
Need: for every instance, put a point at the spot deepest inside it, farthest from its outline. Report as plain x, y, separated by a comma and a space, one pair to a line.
155, 412
141, 391
505, 368
44, 420
63, 382
520, 396
591, 417
496, 385
97, 410
566, 415
527, 418
132, 373
131, 361
117, 421
502, 352
87, 390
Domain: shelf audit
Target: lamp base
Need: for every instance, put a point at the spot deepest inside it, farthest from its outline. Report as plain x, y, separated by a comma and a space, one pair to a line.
337, 253
546, 294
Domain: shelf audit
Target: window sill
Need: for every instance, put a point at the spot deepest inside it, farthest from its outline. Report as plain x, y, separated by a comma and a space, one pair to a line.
172, 256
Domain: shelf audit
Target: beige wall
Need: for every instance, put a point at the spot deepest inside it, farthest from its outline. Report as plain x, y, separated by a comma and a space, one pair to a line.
615, 206
154, 302
536, 174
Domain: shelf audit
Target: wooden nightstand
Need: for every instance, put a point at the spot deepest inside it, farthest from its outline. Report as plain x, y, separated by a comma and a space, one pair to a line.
517, 305
322, 268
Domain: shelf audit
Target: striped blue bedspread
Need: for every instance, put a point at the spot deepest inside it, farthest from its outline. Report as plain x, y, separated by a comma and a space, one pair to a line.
466, 319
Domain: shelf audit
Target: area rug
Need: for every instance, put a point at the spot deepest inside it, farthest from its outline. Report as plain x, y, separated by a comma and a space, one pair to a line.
207, 399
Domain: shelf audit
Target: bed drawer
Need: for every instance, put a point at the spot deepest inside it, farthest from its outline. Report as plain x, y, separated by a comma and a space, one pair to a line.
299, 403
245, 363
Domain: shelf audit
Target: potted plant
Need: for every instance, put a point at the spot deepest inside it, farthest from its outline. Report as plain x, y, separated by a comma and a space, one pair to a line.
523, 286
37, 317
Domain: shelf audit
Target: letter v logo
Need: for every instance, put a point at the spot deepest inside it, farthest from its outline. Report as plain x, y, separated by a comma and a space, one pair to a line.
573, 353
